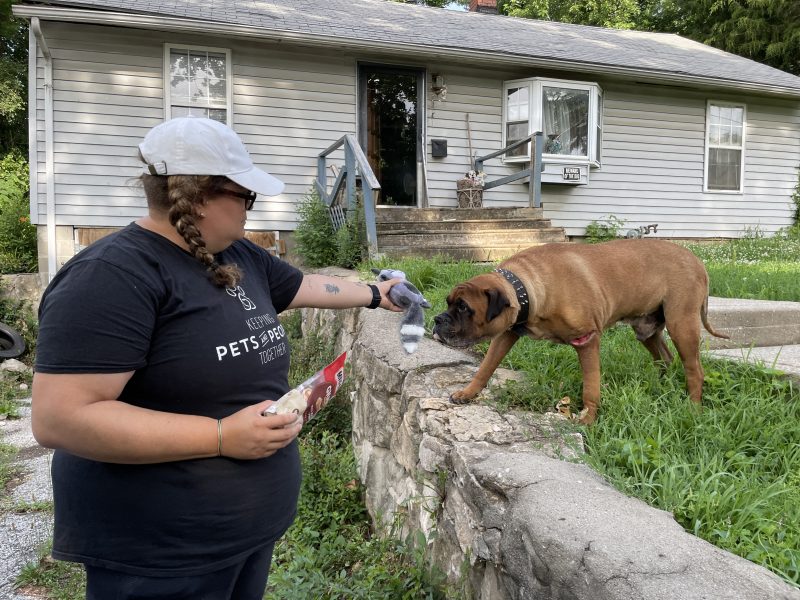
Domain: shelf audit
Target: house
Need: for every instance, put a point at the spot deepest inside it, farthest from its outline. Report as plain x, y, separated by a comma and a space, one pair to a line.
651, 128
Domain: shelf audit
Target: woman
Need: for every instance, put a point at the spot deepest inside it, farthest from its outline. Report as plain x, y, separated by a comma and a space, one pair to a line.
159, 349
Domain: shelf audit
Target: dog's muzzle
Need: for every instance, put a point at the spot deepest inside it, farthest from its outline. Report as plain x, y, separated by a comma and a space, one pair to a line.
443, 328
443, 332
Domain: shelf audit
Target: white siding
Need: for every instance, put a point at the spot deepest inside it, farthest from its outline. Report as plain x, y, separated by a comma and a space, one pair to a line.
108, 92
289, 104
652, 168
652, 159
477, 95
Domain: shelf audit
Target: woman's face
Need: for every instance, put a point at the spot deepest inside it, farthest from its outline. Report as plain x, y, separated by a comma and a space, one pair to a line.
224, 217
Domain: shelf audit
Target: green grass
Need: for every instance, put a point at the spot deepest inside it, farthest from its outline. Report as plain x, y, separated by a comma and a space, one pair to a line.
7, 469
59, 580
729, 472
753, 267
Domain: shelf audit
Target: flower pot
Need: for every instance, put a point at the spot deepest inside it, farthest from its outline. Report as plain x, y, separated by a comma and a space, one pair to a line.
470, 194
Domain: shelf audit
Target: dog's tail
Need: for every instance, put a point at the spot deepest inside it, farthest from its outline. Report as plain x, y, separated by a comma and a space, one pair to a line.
412, 328
704, 318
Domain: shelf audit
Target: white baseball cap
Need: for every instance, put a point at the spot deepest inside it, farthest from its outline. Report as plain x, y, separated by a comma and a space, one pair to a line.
200, 146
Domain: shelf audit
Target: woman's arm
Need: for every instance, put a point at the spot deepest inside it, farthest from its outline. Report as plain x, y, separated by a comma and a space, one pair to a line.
79, 413
321, 291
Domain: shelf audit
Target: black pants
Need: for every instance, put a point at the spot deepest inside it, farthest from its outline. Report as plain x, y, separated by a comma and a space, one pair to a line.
245, 580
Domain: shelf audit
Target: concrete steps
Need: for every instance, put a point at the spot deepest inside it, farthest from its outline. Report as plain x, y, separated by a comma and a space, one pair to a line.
478, 234
755, 323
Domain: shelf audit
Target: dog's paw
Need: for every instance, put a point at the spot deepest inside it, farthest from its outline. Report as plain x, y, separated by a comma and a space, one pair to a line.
585, 417
460, 398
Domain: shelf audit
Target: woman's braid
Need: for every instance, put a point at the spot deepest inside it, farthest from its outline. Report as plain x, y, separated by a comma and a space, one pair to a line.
181, 198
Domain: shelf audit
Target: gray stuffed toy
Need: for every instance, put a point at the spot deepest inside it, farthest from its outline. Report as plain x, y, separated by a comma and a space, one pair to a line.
411, 300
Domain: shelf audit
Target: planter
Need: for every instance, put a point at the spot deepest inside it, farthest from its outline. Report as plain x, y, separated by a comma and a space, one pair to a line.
469, 194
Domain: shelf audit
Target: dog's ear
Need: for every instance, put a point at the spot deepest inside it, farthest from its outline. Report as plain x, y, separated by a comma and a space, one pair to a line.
497, 303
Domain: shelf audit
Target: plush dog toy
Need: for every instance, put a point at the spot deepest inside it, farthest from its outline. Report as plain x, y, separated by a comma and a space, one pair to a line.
409, 298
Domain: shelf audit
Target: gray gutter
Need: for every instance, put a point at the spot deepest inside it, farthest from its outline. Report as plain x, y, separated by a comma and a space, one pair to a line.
166, 23
49, 170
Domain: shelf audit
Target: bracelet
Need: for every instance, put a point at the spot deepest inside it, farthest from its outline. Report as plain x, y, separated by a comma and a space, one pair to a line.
376, 296
219, 437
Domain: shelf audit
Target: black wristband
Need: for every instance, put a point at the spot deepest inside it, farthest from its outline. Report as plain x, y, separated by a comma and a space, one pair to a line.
376, 296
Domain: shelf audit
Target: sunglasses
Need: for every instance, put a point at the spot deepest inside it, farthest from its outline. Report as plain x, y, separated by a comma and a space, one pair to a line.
249, 197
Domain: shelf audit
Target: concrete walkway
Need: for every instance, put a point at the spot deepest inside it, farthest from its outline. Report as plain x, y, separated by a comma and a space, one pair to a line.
764, 332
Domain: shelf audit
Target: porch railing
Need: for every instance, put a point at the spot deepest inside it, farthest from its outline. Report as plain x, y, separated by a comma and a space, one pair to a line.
534, 170
355, 164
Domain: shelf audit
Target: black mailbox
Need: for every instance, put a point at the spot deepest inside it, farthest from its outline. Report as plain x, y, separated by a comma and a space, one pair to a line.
438, 148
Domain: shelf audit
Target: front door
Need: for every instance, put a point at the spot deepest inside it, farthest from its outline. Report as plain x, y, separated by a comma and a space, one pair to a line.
390, 130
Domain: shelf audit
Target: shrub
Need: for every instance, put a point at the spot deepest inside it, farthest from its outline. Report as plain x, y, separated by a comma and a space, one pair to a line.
17, 234
351, 239
604, 230
320, 245
314, 233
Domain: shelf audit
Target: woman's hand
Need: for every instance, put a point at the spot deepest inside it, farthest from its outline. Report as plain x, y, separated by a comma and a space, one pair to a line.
248, 434
384, 287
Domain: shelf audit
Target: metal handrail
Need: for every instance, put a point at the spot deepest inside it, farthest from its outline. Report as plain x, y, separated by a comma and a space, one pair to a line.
353, 157
535, 187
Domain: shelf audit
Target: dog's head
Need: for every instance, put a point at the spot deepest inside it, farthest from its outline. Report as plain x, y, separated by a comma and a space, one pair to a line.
477, 309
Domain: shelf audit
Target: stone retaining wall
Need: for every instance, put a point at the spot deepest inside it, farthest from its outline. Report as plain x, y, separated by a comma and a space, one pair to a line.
507, 508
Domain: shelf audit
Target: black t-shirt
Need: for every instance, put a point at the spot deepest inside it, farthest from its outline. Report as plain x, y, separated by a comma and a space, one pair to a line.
134, 301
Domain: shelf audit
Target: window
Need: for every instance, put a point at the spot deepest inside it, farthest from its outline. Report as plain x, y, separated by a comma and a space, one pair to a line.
568, 113
517, 118
197, 82
724, 147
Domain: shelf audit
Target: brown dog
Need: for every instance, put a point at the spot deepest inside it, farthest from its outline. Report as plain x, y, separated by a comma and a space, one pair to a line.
571, 293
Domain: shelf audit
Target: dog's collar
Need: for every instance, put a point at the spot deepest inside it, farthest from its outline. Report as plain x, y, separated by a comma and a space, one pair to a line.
522, 298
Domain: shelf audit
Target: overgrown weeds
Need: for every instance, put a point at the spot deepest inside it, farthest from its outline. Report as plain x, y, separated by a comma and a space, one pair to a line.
17, 234
18, 315
320, 244
332, 551
58, 579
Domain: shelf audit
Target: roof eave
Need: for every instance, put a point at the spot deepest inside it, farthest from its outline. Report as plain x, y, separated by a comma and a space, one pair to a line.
166, 23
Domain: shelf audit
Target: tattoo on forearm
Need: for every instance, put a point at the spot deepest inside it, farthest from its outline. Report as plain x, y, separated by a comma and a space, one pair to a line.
331, 289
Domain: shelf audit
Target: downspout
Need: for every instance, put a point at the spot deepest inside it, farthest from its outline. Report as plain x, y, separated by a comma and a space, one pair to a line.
49, 171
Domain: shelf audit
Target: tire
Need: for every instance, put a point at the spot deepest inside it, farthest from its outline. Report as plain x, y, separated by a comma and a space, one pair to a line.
11, 343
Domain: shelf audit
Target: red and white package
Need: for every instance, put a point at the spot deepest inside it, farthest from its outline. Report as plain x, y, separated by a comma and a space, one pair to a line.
308, 398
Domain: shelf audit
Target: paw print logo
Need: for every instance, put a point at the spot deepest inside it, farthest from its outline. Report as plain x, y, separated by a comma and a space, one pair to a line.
239, 293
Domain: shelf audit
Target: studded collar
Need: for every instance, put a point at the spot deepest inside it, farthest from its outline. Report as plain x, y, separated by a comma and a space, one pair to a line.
522, 298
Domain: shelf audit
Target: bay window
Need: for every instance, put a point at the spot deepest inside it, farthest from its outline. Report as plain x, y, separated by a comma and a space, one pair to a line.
568, 113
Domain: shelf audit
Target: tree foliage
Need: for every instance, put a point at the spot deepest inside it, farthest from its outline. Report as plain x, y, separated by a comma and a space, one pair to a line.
13, 81
767, 31
622, 14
